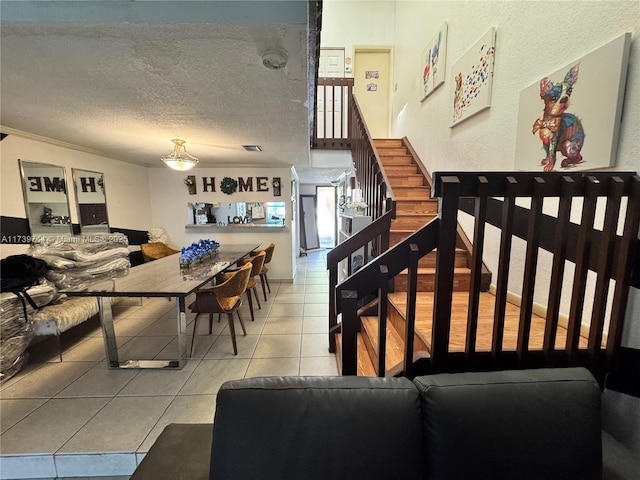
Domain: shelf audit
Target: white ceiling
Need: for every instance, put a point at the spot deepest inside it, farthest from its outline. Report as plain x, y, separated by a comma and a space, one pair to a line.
122, 78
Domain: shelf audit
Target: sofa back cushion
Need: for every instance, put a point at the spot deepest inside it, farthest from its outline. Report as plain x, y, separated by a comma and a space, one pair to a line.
529, 424
317, 428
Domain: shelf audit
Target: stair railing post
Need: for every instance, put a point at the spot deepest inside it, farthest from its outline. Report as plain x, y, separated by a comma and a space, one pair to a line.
350, 328
383, 291
333, 314
410, 326
445, 268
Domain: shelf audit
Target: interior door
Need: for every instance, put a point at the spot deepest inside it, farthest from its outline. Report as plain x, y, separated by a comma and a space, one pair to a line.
309, 234
372, 88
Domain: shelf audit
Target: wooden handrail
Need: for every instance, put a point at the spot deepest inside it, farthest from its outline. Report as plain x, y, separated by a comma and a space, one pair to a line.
376, 232
370, 173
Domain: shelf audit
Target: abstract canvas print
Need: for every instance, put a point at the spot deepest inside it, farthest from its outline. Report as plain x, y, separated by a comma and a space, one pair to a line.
569, 120
473, 79
433, 59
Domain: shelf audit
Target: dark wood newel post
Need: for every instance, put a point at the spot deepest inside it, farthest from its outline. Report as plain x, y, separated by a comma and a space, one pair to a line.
350, 328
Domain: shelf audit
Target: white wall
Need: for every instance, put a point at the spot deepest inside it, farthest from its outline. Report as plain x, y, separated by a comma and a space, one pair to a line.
348, 24
127, 185
529, 44
169, 197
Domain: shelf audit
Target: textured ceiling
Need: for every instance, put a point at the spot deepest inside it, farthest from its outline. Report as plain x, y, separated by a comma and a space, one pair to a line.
122, 79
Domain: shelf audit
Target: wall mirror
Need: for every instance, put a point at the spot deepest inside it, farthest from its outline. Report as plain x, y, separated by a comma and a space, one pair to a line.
91, 201
45, 197
238, 213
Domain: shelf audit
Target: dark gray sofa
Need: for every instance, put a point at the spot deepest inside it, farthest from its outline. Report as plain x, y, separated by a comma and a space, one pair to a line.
529, 424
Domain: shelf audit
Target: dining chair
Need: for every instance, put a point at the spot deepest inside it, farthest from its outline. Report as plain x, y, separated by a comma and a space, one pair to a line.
257, 262
222, 298
265, 269
155, 250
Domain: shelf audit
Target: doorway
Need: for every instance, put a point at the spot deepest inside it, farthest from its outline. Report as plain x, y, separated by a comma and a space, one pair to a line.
372, 88
309, 239
326, 216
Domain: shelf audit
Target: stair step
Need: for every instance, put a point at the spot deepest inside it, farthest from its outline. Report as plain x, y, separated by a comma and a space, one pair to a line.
388, 142
392, 170
411, 221
394, 354
460, 300
385, 151
406, 206
427, 277
365, 366
396, 160
410, 180
413, 193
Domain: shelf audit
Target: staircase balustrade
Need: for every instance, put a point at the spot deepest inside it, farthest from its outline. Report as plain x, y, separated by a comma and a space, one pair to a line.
597, 249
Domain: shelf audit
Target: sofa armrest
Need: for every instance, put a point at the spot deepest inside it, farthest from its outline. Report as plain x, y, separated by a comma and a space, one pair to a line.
317, 428
181, 451
527, 424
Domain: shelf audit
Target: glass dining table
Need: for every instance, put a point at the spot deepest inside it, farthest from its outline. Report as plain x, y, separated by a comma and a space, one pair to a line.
158, 278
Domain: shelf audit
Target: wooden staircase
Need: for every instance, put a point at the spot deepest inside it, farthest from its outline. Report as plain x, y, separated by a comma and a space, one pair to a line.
415, 207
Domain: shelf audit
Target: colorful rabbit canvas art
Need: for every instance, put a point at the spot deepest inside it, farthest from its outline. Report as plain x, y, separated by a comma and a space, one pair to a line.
433, 60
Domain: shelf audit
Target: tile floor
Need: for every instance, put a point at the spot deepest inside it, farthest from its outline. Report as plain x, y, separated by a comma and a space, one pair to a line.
77, 418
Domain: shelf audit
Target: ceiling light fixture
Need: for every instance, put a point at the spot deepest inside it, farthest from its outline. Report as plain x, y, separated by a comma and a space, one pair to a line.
179, 159
252, 148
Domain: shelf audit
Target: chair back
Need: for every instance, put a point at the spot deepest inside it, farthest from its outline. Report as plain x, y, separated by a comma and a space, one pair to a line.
155, 250
236, 284
258, 262
208, 299
269, 253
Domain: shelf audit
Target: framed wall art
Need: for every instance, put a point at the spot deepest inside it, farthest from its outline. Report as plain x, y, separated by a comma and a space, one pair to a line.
433, 60
473, 79
570, 119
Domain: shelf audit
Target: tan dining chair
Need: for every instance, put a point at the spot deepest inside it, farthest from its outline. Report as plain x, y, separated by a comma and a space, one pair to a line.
257, 262
222, 298
263, 273
155, 250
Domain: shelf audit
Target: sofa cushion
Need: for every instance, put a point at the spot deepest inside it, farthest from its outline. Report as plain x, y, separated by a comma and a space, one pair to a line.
529, 424
317, 428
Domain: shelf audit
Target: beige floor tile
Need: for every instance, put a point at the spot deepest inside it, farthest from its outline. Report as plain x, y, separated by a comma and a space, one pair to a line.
100, 381
315, 325
318, 366
154, 382
315, 345
12, 411
121, 426
261, 367
210, 374
223, 348
282, 325
53, 424
273, 346
289, 298
287, 310
316, 309
47, 380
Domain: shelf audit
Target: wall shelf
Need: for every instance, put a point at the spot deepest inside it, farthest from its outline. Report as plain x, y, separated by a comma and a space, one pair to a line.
244, 226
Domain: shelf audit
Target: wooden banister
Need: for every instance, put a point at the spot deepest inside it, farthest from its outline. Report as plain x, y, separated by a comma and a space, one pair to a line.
599, 250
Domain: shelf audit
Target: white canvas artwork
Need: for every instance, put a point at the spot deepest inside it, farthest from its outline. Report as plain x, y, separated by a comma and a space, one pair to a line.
570, 119
473, 79
433, 60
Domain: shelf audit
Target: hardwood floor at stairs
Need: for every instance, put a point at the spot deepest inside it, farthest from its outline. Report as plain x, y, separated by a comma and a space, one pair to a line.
424, 315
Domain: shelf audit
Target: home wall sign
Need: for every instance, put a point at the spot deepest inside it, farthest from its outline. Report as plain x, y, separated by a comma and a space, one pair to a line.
230, 185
